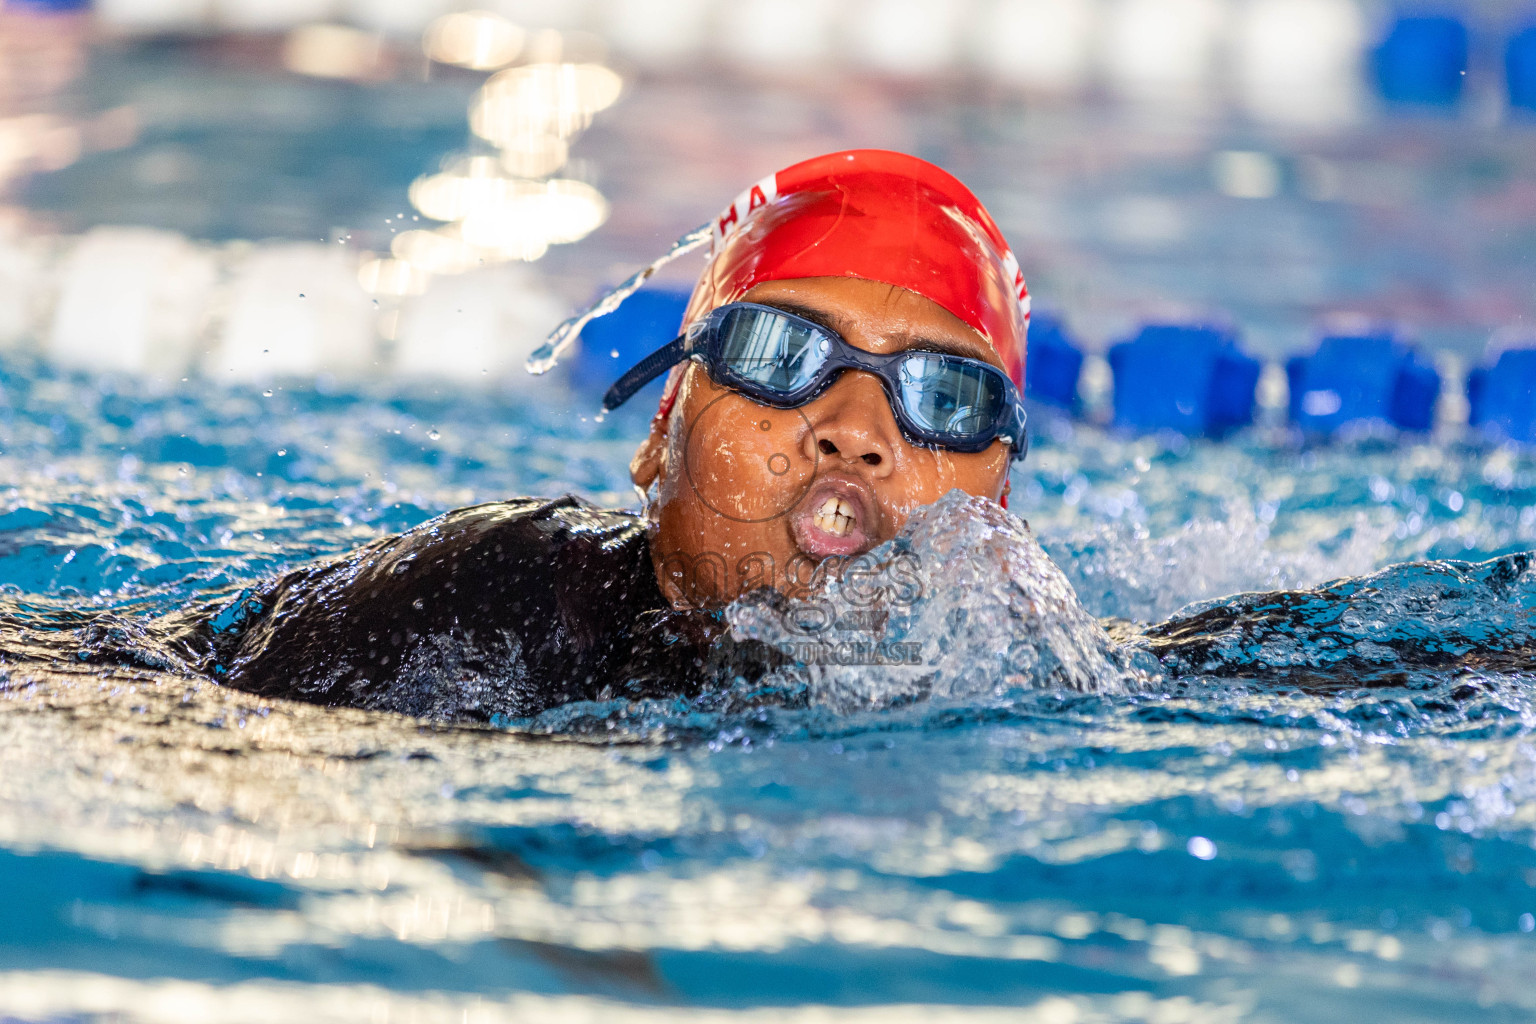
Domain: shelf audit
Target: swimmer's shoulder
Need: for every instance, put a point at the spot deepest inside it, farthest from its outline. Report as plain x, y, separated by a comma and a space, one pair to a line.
525, 531
495, 553
542, 591
555, 517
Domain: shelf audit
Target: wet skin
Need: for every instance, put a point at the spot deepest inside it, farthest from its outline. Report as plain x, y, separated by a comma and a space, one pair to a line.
750, 496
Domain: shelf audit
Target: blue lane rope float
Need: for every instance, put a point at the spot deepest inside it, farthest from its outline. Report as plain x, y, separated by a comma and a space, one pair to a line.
611, 344
1053, 363
1520, 68
50, 6
1365, 377
1422, 60
1192, 379
1502, 397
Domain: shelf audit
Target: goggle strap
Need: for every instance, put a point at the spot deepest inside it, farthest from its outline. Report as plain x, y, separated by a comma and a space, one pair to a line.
1016, 433
647, 370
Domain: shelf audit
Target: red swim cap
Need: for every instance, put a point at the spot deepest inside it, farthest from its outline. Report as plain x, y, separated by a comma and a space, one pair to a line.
880, 216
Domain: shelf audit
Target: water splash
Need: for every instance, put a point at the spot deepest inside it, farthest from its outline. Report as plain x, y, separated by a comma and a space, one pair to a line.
547, 355
1124, 571
1400, 625
963, 604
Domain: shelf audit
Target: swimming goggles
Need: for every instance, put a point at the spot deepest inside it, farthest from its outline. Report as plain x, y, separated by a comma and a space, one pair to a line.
783, 360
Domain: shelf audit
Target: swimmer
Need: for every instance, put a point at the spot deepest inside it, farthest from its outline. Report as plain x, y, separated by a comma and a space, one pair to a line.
854, 349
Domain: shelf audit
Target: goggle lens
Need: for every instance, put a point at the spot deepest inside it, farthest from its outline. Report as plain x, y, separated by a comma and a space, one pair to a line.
948, 397
772, 351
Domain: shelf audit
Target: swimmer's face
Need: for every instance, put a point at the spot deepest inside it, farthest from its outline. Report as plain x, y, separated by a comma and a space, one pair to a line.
751, 496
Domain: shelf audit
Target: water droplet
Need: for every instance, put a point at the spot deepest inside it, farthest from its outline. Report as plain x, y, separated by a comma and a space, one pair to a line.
301, 295
267, 393
434, 435
282, 451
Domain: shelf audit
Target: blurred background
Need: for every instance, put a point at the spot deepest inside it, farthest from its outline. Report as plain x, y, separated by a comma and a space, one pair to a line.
261, 189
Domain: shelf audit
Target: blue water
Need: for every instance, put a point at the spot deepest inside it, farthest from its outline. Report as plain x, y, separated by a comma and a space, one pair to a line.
1190, 850
1203, 848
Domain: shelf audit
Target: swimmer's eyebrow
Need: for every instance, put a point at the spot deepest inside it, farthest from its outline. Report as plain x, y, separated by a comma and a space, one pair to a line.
839, 323
835, 322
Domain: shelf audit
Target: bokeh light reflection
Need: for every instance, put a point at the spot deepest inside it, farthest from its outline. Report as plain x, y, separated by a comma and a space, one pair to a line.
479, 40
542, 99
436, 252
502, 216
392, 277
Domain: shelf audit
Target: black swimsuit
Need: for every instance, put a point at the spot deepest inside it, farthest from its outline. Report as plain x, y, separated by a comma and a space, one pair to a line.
506, 608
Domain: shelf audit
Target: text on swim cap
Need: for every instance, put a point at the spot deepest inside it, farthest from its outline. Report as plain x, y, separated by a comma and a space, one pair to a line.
1011, 265
760, 194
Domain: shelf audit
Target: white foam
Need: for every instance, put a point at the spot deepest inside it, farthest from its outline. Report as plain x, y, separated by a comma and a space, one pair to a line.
69, 995
905, 37
131, 300
784, 33
24, 289
295, 309
158, 305
1039, 44
1163, 49
1299, 60
148, 16
961, 605
478, 326
657, 31
557, 14
271, 15
397, 17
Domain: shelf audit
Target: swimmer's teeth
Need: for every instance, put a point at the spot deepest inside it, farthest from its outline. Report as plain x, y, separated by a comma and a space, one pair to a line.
835, 516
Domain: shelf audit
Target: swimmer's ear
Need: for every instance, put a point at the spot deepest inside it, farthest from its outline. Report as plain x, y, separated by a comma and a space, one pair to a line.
649, 466
650, 458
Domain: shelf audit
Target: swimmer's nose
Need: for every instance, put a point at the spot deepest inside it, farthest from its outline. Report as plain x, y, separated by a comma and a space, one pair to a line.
852, 423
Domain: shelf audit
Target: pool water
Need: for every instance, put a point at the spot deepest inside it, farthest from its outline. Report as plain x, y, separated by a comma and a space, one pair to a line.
1078, 840
1179, 850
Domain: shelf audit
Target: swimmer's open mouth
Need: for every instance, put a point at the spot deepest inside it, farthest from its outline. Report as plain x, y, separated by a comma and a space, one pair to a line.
836, 517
